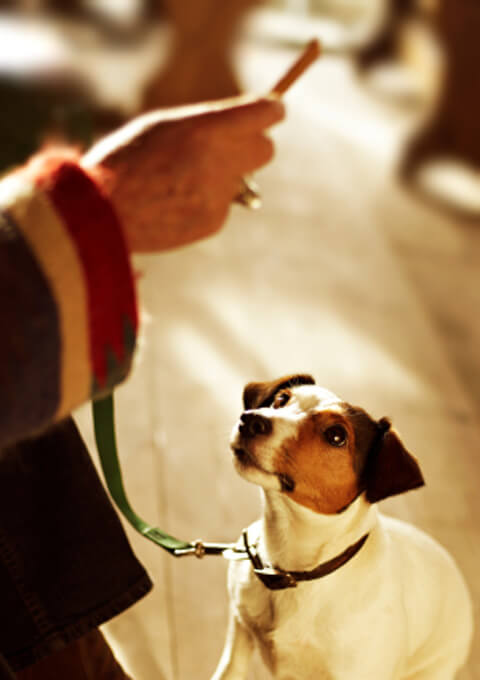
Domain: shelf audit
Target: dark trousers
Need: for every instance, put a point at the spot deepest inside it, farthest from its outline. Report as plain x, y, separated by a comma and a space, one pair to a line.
88, 658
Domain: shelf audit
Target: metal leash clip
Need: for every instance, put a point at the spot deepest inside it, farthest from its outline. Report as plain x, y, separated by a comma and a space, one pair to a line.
199, 549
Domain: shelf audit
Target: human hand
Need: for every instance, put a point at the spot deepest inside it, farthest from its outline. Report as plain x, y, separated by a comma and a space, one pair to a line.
172, 174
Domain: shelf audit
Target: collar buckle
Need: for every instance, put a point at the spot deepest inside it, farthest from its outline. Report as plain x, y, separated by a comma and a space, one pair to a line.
276, 580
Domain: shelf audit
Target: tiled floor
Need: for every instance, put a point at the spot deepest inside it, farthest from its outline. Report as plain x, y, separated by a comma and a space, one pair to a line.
342, 275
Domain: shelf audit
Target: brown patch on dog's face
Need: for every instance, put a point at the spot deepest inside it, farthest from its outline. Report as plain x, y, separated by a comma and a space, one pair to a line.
321, 460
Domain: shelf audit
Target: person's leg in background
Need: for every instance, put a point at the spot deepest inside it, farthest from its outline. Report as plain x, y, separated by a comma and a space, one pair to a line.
199, 67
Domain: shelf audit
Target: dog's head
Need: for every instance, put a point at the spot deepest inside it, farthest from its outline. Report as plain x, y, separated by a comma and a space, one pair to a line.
301, 439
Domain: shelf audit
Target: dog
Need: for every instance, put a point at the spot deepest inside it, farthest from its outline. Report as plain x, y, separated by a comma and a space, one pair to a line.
327, 586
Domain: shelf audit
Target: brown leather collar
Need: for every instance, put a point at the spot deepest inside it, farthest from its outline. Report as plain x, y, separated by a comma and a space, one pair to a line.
278, 579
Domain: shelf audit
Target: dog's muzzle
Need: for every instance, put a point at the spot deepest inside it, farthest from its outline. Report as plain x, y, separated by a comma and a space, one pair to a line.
253, 425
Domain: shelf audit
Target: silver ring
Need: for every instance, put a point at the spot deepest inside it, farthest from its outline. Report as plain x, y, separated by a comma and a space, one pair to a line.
249, 195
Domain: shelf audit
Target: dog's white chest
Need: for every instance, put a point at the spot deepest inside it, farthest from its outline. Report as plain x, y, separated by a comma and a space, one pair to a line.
301, 642
303, 632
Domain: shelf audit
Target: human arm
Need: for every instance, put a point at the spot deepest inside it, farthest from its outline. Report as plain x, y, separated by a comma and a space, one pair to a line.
67, 228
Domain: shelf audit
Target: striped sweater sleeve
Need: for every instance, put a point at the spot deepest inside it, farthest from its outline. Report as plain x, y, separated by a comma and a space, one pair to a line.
67, 299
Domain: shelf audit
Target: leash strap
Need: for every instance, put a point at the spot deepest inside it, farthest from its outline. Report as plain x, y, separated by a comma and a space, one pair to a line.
104, 425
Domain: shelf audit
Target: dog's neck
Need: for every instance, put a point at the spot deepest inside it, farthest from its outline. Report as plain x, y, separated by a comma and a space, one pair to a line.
296, 538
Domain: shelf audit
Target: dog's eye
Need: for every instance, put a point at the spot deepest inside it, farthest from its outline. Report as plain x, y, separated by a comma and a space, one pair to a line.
336, 435
281, 399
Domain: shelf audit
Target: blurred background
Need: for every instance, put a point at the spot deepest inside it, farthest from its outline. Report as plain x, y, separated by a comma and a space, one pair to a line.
362, 267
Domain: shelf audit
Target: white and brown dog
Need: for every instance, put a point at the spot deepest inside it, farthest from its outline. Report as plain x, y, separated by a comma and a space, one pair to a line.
332, 589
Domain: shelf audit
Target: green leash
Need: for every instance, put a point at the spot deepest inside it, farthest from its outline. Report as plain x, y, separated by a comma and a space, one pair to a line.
104, 425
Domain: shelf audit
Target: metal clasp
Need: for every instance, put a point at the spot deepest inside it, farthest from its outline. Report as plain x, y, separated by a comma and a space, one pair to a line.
199, 549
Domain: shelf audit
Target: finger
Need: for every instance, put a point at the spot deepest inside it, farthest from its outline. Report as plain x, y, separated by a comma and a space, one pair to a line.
245, 118
252, 153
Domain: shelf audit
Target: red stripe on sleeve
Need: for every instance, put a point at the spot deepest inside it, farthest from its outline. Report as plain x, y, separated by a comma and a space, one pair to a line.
95, 229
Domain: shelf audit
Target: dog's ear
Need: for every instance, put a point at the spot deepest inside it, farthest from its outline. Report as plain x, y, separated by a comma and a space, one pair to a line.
260, 394
390, 469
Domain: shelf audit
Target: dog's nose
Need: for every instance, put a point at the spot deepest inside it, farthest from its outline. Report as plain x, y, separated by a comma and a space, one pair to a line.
252, 424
